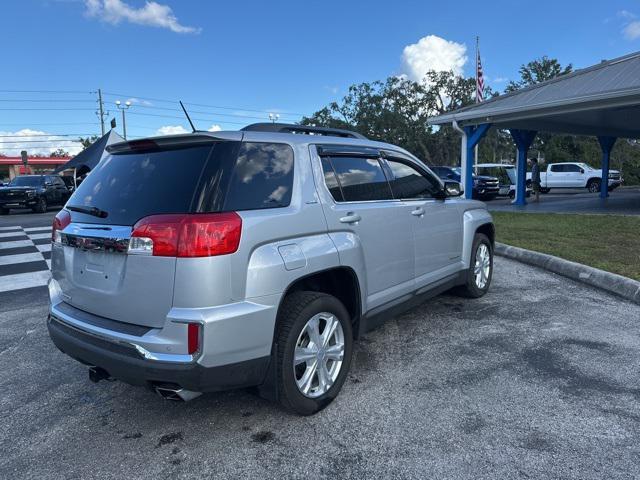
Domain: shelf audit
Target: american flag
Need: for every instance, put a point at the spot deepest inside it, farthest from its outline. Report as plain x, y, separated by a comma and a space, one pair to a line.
479, 76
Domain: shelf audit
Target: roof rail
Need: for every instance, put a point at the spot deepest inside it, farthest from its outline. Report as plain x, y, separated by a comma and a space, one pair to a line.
304, 129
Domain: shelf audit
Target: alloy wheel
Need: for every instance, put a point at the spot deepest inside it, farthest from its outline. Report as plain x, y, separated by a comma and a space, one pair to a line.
318, 355
482, 266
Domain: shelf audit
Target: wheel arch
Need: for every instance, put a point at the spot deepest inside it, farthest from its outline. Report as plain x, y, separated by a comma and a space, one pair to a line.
340, 281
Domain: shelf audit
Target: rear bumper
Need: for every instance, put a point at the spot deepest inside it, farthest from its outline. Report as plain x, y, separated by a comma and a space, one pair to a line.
126, 364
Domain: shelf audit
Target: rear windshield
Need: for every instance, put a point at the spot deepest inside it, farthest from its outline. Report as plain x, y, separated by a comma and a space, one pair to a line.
225, 176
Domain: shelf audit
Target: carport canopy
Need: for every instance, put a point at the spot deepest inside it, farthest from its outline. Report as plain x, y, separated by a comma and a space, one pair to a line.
602, 100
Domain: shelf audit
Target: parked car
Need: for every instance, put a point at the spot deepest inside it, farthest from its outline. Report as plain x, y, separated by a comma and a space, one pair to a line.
575, 175
69, 182
36, 192
506, 175
484, 187
278, 246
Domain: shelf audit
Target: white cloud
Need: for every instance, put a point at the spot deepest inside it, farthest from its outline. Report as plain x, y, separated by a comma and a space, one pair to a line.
139, 101
626, 14
214, 128
36, 142
632, 30
433, 53
151, 14
171, 130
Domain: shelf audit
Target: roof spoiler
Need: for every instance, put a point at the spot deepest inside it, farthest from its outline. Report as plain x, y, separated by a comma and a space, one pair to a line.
302, 129
158, 143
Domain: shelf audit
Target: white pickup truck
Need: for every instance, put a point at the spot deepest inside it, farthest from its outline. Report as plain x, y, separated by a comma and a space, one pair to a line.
574, 175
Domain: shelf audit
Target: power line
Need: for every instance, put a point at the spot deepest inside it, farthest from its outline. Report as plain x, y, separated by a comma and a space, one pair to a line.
46, 109
153, 99
47, 135
48, 91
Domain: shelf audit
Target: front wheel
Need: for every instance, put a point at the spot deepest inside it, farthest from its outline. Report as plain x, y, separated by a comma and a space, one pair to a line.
315, 342
480, 269
594, 186
41, 206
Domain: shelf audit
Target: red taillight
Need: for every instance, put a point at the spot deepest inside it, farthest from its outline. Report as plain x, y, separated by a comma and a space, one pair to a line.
193, 338
188, 235
60, 222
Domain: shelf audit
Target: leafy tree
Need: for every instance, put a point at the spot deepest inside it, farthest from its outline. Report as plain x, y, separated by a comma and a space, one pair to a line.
539, 70
87, 141
59, 153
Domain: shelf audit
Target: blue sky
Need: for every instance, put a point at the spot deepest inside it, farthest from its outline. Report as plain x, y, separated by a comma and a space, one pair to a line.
256, 57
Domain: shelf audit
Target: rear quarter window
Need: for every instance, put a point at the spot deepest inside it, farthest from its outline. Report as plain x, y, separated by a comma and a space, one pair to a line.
262, 178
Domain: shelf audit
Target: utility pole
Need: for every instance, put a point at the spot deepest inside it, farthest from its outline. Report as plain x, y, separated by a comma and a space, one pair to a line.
101, 113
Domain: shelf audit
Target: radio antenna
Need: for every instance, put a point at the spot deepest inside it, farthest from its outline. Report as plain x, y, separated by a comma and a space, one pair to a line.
188, 117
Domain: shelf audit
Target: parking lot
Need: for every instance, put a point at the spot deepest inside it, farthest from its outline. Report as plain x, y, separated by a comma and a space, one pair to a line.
622, 201
537, 379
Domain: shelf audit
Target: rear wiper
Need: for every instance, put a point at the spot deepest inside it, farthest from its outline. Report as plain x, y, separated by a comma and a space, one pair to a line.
94, 211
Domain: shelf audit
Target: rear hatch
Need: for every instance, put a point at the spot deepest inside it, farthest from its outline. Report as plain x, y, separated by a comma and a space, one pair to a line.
91, 262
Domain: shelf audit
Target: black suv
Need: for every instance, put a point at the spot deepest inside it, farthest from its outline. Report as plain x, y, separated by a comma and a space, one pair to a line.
36, 192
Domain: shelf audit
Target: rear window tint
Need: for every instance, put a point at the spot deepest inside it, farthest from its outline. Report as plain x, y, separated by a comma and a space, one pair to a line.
263, 177
134, 185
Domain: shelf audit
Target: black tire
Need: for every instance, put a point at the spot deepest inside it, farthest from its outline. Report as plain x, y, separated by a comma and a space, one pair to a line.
470, 289
296, 310
594, 185
512, 194
41, 206
4, 211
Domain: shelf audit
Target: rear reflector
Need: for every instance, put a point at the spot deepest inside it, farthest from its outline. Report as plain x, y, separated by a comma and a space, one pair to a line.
186, 235
60, 222
193, 338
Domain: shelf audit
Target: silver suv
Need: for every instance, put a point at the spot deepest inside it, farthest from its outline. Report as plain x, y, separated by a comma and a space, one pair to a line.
212, 261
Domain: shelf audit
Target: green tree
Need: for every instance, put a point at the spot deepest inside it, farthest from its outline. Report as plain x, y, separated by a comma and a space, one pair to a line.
59, 153
87, 141
539, 70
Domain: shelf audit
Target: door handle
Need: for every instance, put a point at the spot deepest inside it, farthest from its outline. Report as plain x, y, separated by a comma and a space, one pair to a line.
350, 218
418, 212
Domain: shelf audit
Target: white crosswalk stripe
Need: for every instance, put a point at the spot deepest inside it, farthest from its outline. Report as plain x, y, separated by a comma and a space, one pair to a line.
23, 263
10, 234
20, 258
15, 244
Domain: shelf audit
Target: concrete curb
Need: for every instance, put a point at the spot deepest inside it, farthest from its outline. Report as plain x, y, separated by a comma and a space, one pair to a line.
611, 282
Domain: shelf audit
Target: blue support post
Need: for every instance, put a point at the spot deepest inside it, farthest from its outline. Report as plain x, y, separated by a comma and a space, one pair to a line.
606, 144
474, 135
523, 139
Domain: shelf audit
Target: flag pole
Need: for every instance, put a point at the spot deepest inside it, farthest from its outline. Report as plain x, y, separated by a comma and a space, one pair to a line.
475, 160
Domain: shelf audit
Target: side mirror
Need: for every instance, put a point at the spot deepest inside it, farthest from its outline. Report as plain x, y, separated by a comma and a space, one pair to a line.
582, 170
452, 189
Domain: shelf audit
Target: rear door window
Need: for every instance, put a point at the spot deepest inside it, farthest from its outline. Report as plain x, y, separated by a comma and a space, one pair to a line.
358, 179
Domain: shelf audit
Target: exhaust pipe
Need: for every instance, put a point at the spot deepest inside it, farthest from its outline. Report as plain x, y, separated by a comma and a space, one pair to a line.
176, 393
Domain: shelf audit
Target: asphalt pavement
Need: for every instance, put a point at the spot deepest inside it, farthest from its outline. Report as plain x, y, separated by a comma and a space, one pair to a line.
538, 379
621, 201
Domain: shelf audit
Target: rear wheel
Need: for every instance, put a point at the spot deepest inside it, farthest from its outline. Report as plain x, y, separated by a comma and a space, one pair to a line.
480, 269
315, 342
41, 206
593, 186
